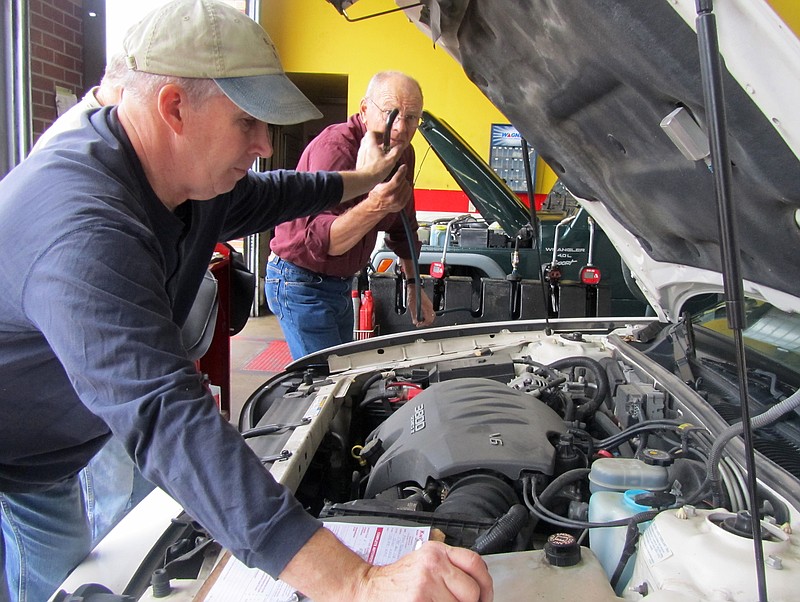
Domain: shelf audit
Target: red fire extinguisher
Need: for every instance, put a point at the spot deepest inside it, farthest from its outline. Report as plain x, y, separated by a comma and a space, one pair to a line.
366, 321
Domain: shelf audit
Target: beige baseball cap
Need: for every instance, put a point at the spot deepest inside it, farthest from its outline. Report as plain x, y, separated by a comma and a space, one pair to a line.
213, 40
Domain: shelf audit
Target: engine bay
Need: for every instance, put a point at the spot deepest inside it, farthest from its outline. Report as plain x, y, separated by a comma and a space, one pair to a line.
500, 443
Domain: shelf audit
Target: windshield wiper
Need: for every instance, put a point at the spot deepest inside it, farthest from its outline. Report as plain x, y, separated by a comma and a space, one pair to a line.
683, 349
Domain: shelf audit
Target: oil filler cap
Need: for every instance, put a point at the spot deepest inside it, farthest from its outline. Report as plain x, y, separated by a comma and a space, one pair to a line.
562, 549
372, 450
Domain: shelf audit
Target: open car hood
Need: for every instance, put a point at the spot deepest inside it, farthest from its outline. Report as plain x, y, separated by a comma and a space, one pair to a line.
487, 191
588, 86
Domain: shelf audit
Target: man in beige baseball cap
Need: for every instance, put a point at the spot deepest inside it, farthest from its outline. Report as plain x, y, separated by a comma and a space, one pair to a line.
212, 40
113, 225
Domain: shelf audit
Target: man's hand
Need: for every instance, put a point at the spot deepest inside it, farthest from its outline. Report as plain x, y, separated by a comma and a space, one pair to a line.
428, 315
326, 570
350, 227
434, 572
373, 166
372, 159
392, 196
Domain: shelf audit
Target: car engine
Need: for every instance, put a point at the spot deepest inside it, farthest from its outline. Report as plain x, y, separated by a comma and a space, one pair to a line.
501, 447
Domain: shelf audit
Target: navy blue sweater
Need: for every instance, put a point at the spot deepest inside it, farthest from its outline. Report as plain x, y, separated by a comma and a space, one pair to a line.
96, 277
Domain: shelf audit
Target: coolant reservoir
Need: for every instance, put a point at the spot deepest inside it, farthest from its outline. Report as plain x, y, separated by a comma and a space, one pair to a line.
699, 555
607, 542
620, 474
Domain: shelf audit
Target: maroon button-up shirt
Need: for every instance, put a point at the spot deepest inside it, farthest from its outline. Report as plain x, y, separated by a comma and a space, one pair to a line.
305, 241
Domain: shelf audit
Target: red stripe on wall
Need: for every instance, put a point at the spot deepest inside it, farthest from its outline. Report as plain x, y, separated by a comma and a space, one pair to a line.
455, 200
441, 200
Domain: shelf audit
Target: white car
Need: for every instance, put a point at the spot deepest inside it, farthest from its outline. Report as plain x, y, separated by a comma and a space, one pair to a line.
587, 458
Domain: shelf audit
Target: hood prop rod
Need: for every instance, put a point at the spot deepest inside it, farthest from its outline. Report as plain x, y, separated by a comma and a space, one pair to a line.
339, 5
534, 226
711, 75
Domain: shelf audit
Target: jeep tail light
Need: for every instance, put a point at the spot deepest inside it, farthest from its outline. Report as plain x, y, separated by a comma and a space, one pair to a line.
384, 265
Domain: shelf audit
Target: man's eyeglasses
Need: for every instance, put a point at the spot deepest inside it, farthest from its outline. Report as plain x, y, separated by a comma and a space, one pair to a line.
411, 120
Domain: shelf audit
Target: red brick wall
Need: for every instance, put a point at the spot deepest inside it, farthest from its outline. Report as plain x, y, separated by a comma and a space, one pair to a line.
56, 38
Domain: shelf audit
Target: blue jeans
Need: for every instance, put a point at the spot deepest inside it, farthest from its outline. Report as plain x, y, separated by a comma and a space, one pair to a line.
112, 486
43, 536
314, 311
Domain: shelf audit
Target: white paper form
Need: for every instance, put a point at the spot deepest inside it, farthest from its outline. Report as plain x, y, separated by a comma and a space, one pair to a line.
377, 544
239, 582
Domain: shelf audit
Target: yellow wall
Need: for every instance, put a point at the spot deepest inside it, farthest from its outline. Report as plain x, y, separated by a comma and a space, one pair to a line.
312, 37
789, 11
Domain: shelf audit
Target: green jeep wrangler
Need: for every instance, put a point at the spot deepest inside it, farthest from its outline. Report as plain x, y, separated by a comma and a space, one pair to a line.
496, 265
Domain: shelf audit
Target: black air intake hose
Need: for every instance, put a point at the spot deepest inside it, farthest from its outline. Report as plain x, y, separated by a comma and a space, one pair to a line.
478, 496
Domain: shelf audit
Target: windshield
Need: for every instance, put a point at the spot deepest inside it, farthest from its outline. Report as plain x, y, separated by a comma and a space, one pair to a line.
771, 339
773, 333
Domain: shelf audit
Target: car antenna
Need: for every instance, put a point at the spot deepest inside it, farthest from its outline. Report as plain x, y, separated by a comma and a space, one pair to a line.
711, 76
533, 224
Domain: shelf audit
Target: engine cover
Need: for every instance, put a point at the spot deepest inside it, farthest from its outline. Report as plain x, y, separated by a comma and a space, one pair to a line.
460, 426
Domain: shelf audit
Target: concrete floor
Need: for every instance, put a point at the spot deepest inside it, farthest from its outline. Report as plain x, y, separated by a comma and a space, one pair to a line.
248, 344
